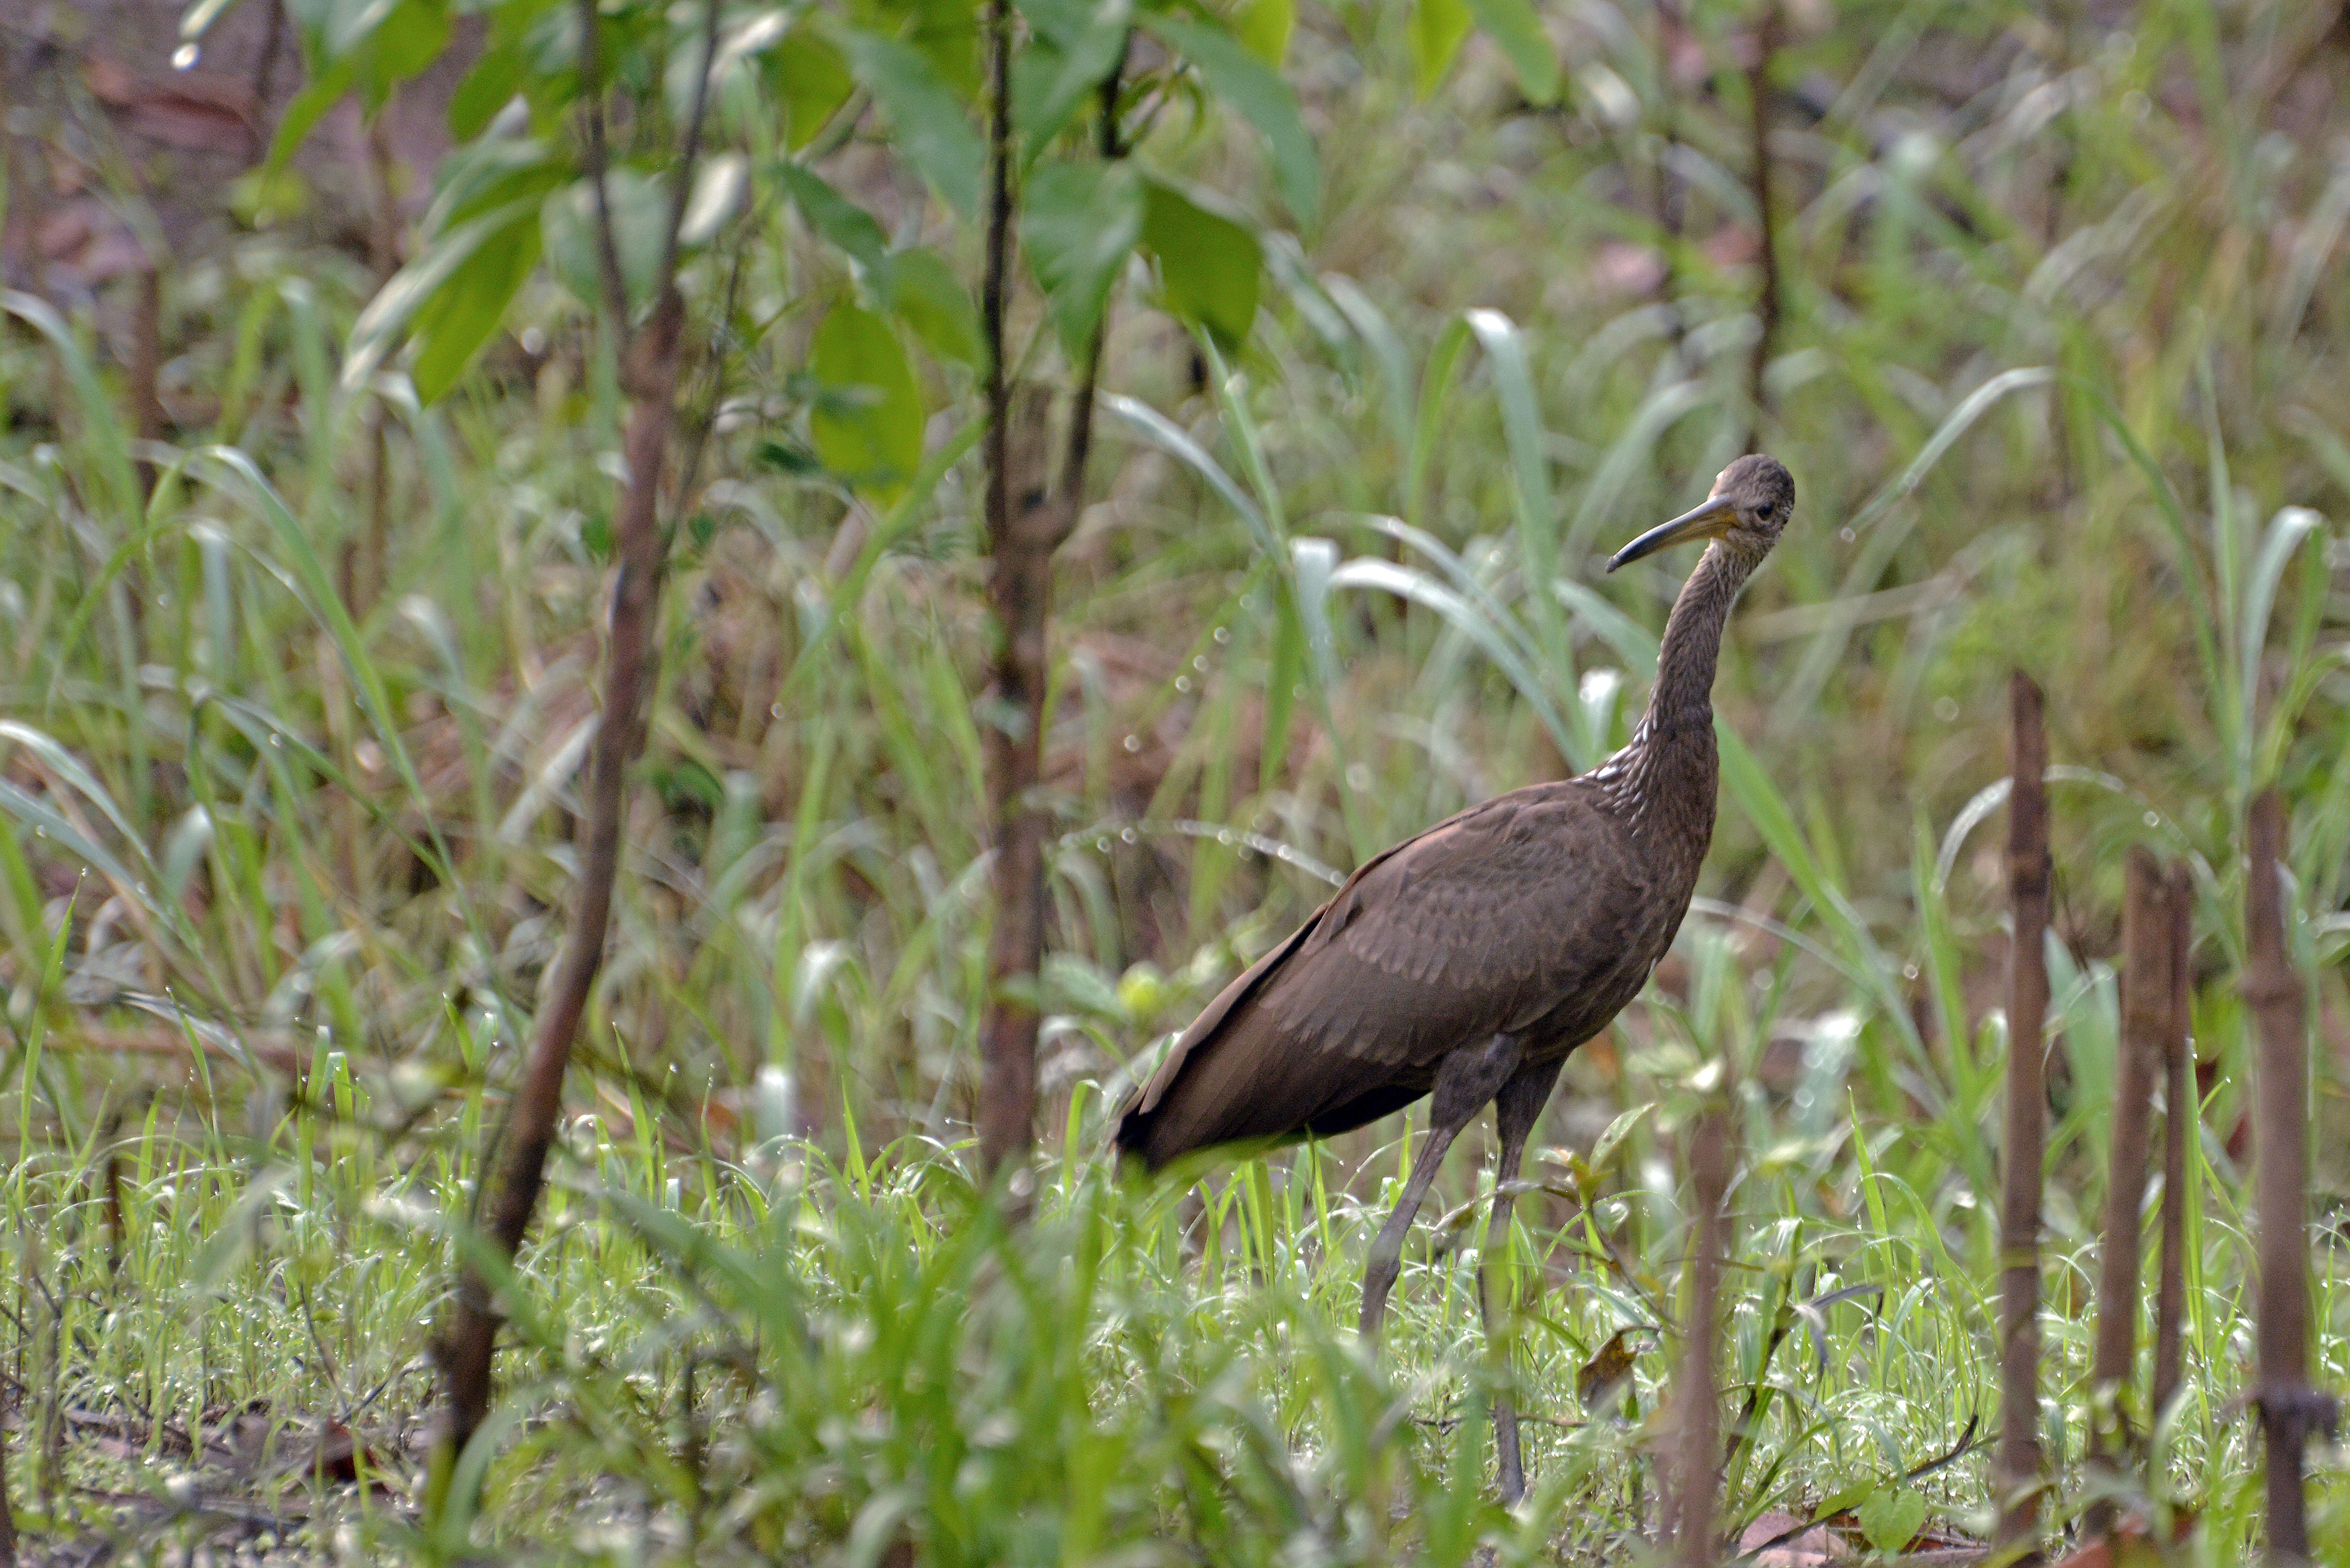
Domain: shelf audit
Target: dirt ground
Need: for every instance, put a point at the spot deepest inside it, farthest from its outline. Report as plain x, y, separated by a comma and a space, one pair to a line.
123, 142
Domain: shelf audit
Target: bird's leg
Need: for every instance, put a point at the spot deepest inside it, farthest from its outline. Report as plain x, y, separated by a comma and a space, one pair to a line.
1465, 1081
1516, 1110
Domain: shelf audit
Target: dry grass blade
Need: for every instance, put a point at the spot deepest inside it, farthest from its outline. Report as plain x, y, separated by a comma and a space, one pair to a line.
2016, 1468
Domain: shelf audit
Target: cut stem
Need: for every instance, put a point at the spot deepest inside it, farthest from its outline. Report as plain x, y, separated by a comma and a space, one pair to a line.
1698, 1473
2181, 1116
2146, 1019
2288, 1406
2016, 1467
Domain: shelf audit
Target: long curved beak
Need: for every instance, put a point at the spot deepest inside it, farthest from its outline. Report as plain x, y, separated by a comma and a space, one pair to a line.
1710, 521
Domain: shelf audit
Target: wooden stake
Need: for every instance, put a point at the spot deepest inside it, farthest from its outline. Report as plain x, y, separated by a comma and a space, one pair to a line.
2289, 1407
2181, 1118
2145, 1019
2016, 1467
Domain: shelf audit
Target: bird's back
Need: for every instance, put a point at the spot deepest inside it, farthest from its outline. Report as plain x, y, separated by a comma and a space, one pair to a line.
1537, 913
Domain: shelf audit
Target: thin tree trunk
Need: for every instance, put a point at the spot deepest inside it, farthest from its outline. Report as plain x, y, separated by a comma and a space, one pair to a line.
2145, 1019
648, 376
2016, 1468
1766, 302
1019, 586
652, 379
2289, 1407
2181, 1118
1698, 1471
1027, 521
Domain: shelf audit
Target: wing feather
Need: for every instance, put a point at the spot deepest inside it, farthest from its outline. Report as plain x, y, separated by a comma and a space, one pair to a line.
1485, 923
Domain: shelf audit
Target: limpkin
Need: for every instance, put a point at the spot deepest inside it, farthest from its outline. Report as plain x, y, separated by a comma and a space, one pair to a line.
1467, 962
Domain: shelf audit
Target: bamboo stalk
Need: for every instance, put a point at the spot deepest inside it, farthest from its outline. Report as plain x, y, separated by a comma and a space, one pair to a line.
2145, 1019
2016, 1467
2181, 1116
2288, 1406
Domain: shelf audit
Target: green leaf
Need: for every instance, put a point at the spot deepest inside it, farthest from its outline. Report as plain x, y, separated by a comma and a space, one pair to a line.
1078, 223
488, 88
491, 173
834, 216
740, 45
946, 32
1076, 48
932, 128
640, 207
1262, 97
306, 109
400, 301
408, 39
1892, 1517
932, 301
456, 321
868, 427
813, 82
1263, 27
718, 187
1515, 26
1210, 266
1439, 29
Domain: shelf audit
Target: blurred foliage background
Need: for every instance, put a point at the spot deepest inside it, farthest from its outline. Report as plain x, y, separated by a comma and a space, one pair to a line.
2046, 309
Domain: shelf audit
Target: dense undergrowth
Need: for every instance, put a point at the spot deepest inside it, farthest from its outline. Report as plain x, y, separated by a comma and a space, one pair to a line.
287, 847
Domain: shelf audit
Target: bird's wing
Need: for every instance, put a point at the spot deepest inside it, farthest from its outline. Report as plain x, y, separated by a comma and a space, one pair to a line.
1483, 924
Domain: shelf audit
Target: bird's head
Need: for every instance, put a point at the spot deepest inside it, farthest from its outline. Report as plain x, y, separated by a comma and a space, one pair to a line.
1751, 503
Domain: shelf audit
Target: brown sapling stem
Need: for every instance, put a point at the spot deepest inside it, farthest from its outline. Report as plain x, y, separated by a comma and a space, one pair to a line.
1027, 523
648, 374
1698, 1470
2016, 1466
2145, 1019
2181, 1119
2289, 1407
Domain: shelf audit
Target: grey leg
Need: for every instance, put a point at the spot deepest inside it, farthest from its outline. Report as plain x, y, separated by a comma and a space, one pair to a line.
1464, 1082
1516, 1110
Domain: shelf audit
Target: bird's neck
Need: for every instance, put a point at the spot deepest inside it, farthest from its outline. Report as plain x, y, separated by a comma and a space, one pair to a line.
1682, 700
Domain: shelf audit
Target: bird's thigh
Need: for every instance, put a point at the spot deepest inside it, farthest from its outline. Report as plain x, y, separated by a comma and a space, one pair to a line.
1470, 1076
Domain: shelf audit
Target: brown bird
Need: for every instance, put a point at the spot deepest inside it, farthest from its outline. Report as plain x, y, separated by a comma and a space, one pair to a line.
1468, 963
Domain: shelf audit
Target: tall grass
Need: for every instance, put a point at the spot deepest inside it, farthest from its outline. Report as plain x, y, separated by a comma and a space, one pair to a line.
2060, 385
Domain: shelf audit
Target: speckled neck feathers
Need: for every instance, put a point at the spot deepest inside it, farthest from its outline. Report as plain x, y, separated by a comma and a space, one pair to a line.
1668, 771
